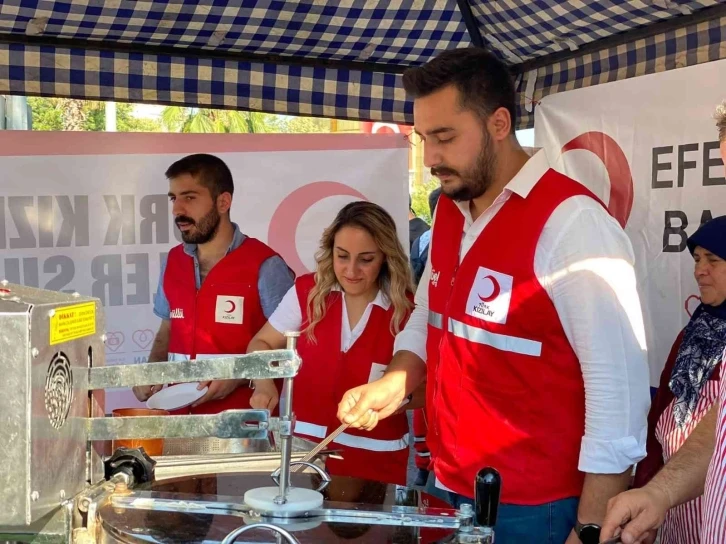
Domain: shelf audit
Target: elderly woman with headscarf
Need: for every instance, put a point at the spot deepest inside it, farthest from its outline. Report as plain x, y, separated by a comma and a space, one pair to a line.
690, 380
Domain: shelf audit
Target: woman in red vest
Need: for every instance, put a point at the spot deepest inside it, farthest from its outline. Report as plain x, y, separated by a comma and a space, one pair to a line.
349, 312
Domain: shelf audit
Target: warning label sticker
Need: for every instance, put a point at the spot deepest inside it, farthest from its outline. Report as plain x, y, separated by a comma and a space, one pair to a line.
72, 322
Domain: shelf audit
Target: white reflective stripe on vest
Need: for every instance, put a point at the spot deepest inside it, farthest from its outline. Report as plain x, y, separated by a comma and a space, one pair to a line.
417, 439
436, 319
502, 342
423, 453
310, 429
372, 444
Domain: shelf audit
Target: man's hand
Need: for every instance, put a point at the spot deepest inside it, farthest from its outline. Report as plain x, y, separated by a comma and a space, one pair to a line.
218, 389
265, 396
639, 512
363, 406
143, 392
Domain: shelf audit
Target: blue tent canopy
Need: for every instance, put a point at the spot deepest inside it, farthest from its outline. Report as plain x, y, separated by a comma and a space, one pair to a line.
341, 58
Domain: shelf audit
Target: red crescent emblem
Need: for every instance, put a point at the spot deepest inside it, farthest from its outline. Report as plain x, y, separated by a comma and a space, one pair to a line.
616, 164
287, 216
496, 289
233, 308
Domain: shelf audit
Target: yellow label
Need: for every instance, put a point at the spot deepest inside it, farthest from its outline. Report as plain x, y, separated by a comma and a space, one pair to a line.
72, 322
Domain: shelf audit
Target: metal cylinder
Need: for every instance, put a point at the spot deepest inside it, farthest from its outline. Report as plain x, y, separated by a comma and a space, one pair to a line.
286, 426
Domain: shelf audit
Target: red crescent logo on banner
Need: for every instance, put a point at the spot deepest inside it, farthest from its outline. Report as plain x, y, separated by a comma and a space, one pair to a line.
496, 289
616, 164
287, 216
233, 307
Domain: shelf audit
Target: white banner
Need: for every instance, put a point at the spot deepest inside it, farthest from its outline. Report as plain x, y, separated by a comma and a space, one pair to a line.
648, 147
89, 212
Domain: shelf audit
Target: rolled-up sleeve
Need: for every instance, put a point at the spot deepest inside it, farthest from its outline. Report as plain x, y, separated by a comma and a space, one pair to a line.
588, 272
288, 315
275, 280
161, 303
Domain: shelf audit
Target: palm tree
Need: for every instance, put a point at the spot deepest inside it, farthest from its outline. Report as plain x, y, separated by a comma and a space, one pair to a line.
178, 119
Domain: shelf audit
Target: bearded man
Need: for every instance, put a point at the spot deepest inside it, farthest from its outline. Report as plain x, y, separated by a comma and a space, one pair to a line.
528, 328
217, 288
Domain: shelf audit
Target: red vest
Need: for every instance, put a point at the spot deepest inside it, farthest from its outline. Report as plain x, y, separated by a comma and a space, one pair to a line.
327, 373
220, 318
505, 388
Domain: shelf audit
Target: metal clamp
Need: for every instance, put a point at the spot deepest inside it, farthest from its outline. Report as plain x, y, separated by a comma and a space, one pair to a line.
254, 424
278, 363
231, 537
286, 422
324, 475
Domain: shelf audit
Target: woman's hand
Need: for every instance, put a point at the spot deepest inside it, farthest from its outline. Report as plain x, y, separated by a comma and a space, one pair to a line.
265, 396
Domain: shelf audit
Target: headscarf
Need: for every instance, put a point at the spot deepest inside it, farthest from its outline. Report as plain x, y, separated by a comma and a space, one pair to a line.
704, 338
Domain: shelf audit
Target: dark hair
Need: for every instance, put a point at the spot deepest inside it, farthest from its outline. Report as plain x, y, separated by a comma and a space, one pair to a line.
209, 170
483, 81
434, 199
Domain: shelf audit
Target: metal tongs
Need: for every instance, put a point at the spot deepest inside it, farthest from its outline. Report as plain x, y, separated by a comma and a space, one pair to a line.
328, 439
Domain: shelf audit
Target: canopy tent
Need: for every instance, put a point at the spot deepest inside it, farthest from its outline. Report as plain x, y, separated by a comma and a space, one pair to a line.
340, 59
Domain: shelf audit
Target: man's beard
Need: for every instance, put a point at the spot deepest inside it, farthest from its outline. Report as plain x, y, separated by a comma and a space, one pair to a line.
477, 180
205, 229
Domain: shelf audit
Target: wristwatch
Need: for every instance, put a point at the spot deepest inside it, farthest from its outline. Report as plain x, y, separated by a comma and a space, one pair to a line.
588, 533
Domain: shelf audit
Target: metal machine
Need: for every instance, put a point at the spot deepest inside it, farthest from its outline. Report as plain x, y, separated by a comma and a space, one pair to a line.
58, 482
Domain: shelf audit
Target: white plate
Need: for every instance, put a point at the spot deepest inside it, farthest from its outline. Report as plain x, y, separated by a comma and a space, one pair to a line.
176, 396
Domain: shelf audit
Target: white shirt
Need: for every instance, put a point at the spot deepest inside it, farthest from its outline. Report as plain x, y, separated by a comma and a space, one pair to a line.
288, 316
584, 261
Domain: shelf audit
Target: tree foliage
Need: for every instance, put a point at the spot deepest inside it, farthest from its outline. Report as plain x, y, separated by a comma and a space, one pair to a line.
178, 119
205, 120
71, 114
420, 198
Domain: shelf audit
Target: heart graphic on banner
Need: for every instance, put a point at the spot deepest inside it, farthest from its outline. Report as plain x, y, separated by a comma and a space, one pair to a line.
143, 338
691, 304
114, 340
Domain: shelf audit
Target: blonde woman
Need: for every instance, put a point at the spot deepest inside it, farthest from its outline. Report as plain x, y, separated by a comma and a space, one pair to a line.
349, 312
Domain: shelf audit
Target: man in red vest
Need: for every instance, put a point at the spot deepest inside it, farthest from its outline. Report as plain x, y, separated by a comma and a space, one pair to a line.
218, 287
527, 328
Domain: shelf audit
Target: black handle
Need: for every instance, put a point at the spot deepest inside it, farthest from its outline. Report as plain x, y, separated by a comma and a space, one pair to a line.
132, 461
488, 486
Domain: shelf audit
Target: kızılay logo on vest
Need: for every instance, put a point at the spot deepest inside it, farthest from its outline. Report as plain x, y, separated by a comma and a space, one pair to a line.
490, 295
229, 309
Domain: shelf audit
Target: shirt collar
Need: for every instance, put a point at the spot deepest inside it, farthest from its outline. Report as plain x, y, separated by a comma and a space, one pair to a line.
237, 238
528, 176
522, 183
381, 299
